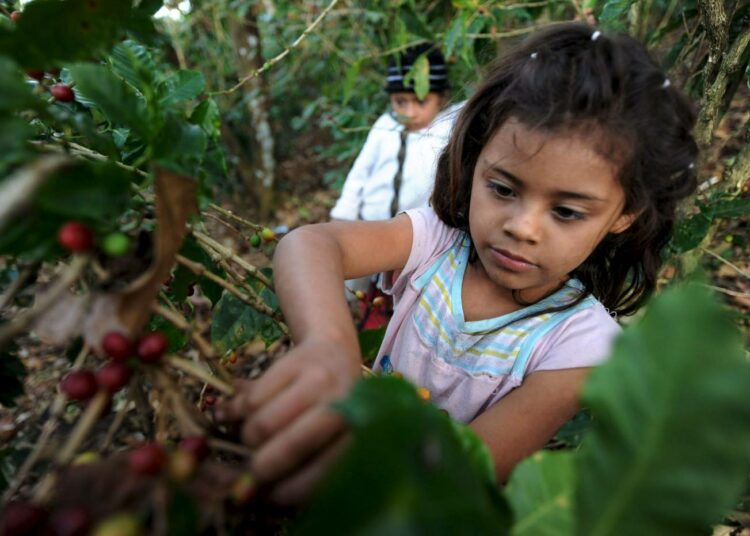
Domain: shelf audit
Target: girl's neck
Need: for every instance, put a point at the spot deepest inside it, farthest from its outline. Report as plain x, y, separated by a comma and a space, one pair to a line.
482, 298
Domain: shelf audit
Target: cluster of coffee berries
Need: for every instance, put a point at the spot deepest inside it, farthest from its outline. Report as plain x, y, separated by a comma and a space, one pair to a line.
265, 235
77, 237
83, 384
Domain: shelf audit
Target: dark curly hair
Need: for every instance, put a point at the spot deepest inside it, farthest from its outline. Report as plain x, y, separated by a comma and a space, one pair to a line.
568, 79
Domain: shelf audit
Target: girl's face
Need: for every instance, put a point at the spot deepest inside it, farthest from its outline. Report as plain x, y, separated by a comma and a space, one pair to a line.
540, 204
417, 114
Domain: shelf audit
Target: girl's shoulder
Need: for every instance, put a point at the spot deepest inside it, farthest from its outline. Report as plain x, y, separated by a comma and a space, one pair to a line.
431, 238
581, 338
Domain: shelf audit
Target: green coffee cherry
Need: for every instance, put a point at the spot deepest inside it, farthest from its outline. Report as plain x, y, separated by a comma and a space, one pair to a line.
116, 244
255, 240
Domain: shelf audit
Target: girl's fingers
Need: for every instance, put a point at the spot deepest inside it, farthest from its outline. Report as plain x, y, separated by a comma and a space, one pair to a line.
297, 442
277, 378
283, 409
246, 401
298, 488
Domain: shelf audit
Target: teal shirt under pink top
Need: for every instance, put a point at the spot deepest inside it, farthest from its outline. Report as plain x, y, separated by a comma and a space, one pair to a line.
467, 366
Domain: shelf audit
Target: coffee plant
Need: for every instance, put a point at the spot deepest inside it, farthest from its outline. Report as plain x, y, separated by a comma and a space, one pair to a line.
113, 150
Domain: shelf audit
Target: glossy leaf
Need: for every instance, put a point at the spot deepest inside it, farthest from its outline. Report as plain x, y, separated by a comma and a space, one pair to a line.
52, 32
182, 85
116, 99
658, 459
404, 473
236, 323
540, 491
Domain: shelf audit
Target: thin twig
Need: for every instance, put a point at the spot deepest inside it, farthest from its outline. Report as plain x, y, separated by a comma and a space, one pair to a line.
181, 323
727, 291
218, 250
727, 262
57, 406
267, 65
201, 373
24, 319
188, 421
253, 300
232, 216
116, 424
17, 285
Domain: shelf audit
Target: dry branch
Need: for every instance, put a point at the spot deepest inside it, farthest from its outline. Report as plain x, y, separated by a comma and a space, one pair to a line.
215, 249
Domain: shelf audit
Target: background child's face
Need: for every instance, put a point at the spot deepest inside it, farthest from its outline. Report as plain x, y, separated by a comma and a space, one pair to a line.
416, 114
540, 204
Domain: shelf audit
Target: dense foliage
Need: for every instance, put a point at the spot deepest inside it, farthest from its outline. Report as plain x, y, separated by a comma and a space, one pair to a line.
119, 137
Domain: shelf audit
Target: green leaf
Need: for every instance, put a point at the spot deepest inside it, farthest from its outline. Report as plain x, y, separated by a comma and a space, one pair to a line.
32, 237
454, 34
614, 14
15, 93
180, 145
12, 373
421, 70
182, 85
351, 79
540, 491
207, 116
658, 459
133, 63
52, 32
88, 191
404, 473
176, 337
236, 323
414, 23
116, 99
369, 343
731, 208
150, 6
14, 133
690, 232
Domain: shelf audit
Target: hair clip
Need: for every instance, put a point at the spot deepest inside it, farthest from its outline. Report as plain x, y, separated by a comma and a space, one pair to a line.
666, 83
595, 35
534, 55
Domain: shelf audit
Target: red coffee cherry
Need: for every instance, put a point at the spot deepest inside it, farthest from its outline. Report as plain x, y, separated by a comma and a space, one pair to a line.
20, 518
79, 385
117, 346
36, 75
62, 93
147, 459
196, 445
15, 16
152, 346
113, 376
75, 236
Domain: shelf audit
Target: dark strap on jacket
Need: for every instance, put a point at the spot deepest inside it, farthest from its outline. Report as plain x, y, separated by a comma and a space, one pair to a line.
399, 172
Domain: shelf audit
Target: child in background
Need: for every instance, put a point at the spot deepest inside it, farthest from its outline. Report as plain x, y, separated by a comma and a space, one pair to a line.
395, 170
553, 202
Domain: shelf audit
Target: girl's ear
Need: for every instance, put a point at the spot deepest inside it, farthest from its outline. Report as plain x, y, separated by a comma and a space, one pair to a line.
622, 223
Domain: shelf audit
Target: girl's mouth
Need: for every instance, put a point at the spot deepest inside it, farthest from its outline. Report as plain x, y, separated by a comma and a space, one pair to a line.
511, 262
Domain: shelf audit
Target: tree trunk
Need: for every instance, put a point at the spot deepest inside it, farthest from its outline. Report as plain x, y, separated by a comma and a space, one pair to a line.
247, 49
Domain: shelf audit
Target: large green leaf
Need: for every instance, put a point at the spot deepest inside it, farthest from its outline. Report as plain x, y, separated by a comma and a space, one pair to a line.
134, 64
51, 32
182, 85
89, 191
540, 492
614, 14
404, 473
116, 99
668, 452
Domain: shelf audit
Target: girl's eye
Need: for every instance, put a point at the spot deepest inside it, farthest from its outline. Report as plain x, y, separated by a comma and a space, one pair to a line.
568, 214
500, 189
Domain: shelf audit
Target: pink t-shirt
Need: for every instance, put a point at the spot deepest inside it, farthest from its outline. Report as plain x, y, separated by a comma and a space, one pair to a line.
467, 366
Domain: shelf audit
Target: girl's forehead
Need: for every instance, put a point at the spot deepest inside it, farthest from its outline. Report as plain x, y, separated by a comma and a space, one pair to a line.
565, 156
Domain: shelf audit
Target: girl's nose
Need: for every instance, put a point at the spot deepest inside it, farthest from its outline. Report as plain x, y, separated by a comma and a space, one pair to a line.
524, 225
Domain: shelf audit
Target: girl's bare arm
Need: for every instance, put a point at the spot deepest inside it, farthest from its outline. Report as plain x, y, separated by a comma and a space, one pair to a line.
286, 414
525, 419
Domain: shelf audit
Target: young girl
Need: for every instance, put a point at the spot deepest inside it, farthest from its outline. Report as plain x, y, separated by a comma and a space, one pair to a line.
553, 202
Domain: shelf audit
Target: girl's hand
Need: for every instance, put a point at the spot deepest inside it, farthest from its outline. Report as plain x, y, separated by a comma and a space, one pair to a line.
287, 416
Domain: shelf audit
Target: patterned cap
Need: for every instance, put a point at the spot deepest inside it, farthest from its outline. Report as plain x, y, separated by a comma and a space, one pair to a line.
438, 69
